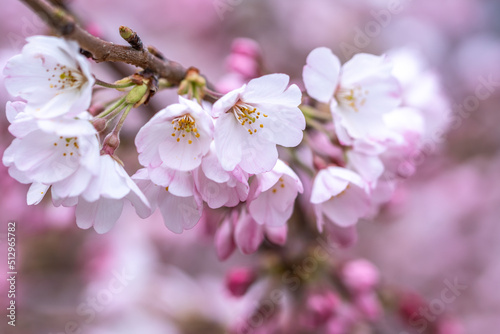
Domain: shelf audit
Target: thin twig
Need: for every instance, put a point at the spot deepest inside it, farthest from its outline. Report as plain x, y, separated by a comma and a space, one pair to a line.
102, 50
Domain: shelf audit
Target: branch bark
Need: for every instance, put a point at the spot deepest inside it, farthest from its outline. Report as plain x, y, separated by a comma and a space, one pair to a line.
102, 50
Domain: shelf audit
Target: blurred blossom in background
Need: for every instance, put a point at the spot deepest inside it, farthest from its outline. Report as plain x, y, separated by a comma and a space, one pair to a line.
436, 242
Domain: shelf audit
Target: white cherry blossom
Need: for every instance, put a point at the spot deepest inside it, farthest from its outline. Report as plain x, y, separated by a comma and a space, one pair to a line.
52, 76
359, 93
272, 195
179, 212
177, 137
255, 118
61, 152
341, 195
101, 204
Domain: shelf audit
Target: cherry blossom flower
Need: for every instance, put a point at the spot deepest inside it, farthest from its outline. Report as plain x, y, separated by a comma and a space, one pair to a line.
101, 204
255, 118
341, 195
359, 93
177, 137
180, 210
240, 230
61, 152
272, 195
52, 76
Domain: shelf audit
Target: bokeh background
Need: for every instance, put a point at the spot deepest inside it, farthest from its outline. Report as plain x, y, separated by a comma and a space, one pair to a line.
442, 224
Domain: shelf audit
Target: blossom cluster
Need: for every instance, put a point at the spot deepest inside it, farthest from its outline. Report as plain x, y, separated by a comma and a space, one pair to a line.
351, 127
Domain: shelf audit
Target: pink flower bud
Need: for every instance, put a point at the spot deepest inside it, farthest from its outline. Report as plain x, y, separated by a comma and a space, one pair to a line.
110, 144
224, 241
99, 124
409, 305
360, 276
246, 46
95, 109
369, 305
319, 309
238, 280
242, 64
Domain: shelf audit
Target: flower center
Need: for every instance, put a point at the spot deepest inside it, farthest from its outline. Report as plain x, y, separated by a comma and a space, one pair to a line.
185, 128
65, 78
248, 117
68, 147
353, 98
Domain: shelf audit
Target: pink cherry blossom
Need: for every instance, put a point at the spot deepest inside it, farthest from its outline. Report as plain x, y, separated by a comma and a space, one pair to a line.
177, 137
52, 76
255, 118
340, 195
219, 187
272, 195
359, 93
240, 230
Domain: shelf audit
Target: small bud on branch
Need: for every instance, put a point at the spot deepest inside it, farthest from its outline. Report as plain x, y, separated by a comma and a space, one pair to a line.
131, 38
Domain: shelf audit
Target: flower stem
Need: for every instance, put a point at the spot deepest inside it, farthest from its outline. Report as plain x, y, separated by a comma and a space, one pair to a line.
119, 125
318, 126
310, 112
112, 108
108, 85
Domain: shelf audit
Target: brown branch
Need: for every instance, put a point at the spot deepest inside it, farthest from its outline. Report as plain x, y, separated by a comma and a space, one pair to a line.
102, 50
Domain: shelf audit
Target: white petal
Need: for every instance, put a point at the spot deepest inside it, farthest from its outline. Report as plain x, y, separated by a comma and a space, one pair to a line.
321, 74
265, 88
36, 193
12, 109
283, 126
345, 210
364, 66
149, 189
73, 185
327, 185
212, 168
227, 102
258, 157
179, 213
102, 214
229, 136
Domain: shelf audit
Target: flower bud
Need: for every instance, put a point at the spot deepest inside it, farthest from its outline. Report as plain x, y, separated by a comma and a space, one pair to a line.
244, 65
193, 85
369, 305
96, 109
99, 124
246, 46
136, 94
110, 144
360, 276
238, 280
319, 309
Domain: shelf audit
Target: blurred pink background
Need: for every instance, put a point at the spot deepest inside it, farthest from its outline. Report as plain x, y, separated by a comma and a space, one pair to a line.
442, 224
